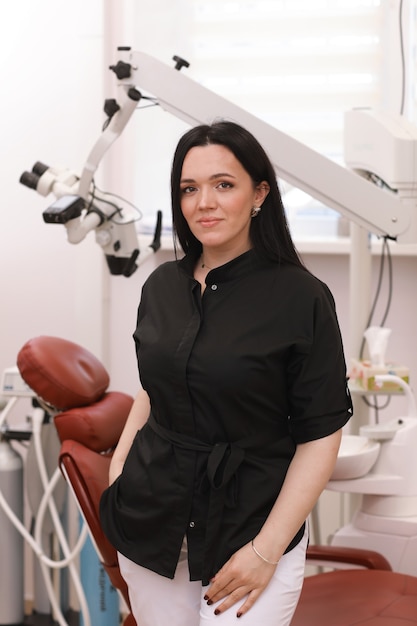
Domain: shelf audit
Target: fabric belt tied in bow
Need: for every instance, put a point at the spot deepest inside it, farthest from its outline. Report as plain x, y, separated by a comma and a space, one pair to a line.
224, 459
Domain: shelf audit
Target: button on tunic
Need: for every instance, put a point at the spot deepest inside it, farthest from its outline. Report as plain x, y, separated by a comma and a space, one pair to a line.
237, 377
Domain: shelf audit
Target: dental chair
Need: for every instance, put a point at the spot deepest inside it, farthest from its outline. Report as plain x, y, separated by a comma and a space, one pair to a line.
72, 384
89, 421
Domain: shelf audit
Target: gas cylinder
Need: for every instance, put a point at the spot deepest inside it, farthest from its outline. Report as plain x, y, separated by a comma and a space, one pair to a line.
11, 541
102, 598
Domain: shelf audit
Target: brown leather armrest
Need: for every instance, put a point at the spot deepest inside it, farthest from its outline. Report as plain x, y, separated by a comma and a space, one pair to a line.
350, 556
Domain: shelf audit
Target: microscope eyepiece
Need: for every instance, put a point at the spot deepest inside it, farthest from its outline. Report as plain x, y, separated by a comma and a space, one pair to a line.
40, 168
29, 179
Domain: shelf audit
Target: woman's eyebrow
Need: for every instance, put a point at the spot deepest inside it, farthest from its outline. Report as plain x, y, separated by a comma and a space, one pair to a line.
212, 177
222, 175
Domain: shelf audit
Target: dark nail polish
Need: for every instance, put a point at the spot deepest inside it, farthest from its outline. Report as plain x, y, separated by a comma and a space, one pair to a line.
239, 615
209, 602
217, 612
205, 597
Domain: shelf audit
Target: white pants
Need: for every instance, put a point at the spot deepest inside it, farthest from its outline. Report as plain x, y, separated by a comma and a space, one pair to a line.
160, 601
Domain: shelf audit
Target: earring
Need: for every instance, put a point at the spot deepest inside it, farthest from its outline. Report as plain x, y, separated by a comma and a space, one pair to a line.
255, 210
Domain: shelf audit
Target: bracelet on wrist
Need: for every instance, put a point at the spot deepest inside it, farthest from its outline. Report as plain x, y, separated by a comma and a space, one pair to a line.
262, 557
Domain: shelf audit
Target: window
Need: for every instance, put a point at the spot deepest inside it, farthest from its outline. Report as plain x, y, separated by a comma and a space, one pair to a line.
297, 64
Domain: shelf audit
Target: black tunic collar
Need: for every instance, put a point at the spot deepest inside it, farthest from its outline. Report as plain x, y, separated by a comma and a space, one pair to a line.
232, 270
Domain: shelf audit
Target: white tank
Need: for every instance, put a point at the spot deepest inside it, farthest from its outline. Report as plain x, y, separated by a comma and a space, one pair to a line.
11, 542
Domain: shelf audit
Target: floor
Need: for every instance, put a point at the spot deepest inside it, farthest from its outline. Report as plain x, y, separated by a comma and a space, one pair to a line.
37, 619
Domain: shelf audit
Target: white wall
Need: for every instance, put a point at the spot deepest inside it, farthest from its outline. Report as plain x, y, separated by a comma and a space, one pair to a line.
51, 110
51, 69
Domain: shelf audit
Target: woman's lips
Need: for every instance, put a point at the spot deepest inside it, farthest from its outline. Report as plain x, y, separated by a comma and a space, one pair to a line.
207, 223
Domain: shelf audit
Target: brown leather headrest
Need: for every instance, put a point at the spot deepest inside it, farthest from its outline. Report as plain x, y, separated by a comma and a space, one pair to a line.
62, 373
97, 426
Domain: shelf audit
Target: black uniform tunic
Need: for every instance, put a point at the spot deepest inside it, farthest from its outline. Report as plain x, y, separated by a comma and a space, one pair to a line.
236, 378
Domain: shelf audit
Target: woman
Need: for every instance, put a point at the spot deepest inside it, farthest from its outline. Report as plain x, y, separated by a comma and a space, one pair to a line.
236, 429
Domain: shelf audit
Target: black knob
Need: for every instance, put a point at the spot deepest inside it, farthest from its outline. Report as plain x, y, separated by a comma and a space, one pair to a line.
134, 94
111, 107
122, 69
180, 63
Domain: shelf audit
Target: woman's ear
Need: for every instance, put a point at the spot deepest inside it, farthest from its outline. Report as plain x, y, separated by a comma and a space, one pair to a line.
261, 191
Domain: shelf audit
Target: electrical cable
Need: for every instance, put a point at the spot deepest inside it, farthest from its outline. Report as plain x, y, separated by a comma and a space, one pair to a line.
147, 106
390, 282
377, 407
385, 255
118, 210
94, 196
47, 503
401, 38
154, 102
4, 413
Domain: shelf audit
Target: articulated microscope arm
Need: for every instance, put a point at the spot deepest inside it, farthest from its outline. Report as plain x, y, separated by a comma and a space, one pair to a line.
81, 208
378, 210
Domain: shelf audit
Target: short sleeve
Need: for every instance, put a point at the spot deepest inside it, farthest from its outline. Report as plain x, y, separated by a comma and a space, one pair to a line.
320, 401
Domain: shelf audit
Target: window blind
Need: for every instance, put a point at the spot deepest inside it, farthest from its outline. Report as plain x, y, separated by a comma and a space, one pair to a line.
297, 64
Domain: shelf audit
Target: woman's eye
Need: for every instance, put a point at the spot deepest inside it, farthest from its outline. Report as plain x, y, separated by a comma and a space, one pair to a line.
188, 189
225, 185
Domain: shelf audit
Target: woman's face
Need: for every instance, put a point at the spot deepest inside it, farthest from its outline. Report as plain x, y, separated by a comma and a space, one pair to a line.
217, 196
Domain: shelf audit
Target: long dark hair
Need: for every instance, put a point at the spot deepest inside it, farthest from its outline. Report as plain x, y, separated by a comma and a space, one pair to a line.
269, 232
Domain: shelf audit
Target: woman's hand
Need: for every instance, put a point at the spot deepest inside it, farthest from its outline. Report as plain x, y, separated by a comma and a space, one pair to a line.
244, 574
